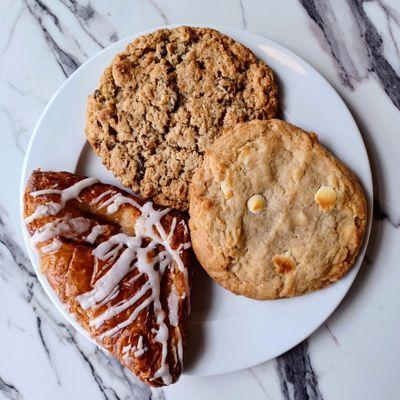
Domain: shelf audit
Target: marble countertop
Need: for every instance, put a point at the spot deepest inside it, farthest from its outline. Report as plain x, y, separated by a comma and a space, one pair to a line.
355, 44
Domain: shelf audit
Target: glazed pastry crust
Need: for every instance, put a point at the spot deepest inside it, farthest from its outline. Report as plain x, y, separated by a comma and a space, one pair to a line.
312, 219
70, 271
163, 101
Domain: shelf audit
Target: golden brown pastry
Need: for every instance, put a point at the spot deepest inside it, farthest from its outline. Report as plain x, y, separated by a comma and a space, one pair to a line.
119, 265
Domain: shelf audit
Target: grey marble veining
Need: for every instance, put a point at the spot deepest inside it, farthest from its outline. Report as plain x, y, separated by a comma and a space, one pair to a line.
355, 63
59, 38
297, 377
160, 12
361, 50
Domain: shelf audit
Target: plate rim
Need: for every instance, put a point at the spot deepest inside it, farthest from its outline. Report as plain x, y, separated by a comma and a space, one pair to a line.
223, 28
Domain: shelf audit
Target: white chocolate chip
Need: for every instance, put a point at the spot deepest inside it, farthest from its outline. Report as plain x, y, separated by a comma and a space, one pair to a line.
256, 203
325, 197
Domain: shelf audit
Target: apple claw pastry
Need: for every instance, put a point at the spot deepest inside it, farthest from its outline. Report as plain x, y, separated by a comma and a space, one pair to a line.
118, 264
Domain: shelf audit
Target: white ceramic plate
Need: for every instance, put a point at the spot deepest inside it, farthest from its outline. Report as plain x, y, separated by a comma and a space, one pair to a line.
226, 332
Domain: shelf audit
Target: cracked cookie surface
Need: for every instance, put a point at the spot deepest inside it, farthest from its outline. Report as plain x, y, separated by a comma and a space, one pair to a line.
164, 100
274, 214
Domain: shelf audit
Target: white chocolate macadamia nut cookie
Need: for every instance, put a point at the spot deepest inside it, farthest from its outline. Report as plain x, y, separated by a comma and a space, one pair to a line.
274, 214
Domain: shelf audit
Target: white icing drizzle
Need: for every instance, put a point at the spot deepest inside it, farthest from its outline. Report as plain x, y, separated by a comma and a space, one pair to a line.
113, 276
132, 280
53, 246
112, 254
110, 297
67, 194
96, 231
126, 348
43, 210
95, 271
128, 254
114, 202
133, 255
140, 349
184, 246
140, 352
145, 224
128, 321
98, 271
185, 228
60, 226
109, 201
172, 230
126, 358
118, 308
173, 305
101, 196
